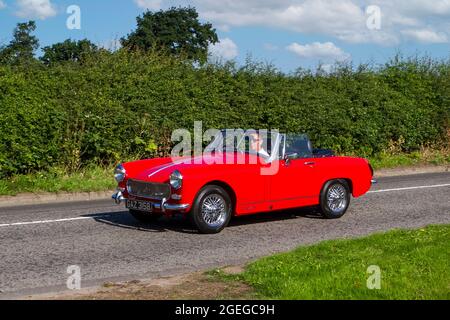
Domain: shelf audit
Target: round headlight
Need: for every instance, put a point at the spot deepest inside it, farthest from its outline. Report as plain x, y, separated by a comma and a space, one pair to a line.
176, 180
119, 173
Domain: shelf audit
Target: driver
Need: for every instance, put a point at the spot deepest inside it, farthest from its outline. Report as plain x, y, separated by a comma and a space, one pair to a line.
256, 144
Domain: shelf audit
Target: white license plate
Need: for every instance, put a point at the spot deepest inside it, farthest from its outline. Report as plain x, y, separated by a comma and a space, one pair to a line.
139, 205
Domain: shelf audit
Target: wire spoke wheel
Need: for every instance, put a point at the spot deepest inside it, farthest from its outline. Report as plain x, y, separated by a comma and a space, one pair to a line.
337, 198
213, 210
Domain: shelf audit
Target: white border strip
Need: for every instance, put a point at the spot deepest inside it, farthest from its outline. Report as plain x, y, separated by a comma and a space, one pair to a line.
411, 188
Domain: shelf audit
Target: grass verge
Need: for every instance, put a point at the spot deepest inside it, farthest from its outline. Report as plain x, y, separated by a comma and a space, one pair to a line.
414, 264
424, 157
58, 180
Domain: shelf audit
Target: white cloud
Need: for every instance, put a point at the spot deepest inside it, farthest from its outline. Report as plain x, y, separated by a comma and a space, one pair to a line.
341, 19
400, 20
149, 4
426, 36
419, 7
225, 49
327, 50
41, 9
2, 5
306, 16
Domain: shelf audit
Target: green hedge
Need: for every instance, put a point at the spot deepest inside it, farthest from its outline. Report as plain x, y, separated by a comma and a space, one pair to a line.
124, 106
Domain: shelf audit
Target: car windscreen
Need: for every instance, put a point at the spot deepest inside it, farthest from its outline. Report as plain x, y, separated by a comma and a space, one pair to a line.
244, 141
299, 145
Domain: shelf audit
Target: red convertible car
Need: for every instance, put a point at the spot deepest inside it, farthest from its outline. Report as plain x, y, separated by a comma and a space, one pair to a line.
211, 193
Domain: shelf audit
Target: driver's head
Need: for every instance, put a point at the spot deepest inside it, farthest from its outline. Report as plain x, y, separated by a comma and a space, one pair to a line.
256, 142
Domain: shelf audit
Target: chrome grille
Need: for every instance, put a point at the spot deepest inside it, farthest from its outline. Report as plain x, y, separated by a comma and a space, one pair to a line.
156, 191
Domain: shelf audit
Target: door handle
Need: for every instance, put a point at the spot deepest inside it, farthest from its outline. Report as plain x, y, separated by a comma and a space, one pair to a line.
310, 163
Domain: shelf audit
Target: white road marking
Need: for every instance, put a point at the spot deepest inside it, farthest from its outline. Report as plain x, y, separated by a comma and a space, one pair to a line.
411, 188
43, 221
89, 218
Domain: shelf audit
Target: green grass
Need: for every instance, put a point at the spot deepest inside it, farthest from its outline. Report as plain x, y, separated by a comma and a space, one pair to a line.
426, 157
88, 179
414, 264
96, 178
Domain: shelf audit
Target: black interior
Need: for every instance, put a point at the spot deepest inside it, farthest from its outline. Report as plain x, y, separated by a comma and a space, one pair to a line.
323, 153
301, 147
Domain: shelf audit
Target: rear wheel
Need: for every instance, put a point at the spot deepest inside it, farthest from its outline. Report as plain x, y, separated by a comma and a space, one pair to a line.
145, 217
334, 199
212, 210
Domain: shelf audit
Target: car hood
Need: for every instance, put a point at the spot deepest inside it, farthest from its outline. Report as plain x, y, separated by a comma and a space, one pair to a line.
160, 172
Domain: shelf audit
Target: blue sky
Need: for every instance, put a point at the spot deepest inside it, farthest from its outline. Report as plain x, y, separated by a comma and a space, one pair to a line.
287, 33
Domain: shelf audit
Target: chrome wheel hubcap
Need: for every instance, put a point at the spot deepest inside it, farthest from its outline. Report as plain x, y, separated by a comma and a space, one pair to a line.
337, 198
214, 210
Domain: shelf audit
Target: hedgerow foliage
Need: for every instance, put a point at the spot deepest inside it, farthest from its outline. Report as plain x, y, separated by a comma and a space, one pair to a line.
123, 106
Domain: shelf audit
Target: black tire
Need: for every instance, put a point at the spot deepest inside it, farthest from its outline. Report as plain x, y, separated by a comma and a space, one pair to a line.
223, 216
145, 217
334, 208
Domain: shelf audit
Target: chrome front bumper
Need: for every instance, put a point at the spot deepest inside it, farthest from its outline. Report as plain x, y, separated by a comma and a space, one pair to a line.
118, 198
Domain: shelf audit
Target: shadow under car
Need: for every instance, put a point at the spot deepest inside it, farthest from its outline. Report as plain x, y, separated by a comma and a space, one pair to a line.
179, 223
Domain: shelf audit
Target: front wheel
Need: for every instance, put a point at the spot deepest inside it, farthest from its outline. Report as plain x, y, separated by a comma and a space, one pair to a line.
212, 210
334, 199
145, 217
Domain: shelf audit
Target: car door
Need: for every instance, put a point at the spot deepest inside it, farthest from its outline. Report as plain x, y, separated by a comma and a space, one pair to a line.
297, 181
250, 185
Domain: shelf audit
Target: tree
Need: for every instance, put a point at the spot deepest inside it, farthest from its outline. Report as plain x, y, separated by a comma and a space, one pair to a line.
68, 50
177, 30
21, 48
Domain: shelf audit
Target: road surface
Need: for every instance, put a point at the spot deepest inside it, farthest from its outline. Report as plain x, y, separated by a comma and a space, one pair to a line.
39, 243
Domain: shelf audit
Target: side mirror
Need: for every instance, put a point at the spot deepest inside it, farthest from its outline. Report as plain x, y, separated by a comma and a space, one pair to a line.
289, 157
